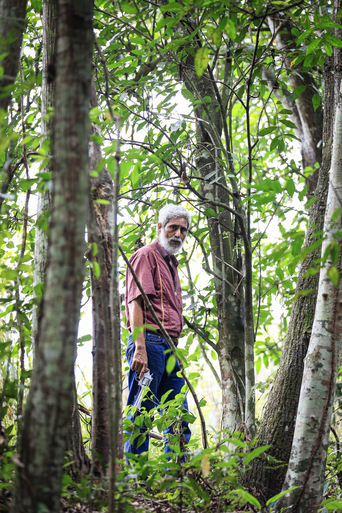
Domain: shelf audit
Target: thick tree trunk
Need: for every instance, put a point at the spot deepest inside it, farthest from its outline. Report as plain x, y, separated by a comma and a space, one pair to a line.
49, 405
279, 414
311, 436
75, 447
12, 25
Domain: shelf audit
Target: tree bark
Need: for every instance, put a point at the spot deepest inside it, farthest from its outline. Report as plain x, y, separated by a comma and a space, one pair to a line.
311, 120
101, 232
279, 415
229, 296
50, 8
12, 26
75, 447
100, 227
311, 436
49, 405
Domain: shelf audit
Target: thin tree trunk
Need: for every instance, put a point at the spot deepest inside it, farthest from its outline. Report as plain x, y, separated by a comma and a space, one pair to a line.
113, 347
101, 230
12, 26
310, 120
101, 233
311, 436
79, 463
226, 263
49, 406
44, 198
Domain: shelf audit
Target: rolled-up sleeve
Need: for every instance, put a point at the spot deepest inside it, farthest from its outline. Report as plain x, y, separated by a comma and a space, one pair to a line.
142, 267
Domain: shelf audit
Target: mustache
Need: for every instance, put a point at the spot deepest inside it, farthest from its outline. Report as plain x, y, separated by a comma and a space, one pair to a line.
175, 239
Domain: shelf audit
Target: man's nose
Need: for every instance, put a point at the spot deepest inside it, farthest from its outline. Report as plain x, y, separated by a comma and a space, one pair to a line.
178, 232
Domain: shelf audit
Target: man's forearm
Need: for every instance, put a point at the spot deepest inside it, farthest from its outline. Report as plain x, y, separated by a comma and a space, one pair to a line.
136, 315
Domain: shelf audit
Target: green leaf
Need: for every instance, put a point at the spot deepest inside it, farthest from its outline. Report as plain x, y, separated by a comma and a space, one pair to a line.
316, 101
274, 143
201, 60
255, 453
124, 169
171, 363
328, 49
10, 389
281, 145
298, 91
84, 338
128, 7
267, 130
230, 29
210, 212
334, 275
96, 269
288, 123
246, 497
9, 274
333, 40
290, 186
313, 45
279, 495
304, 35
332, 505
216, 37
102, 202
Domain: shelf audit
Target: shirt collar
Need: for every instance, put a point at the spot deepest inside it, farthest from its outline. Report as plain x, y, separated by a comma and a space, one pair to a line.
167, 256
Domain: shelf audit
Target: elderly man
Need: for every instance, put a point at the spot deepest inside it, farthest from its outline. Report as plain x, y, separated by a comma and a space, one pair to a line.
156, 268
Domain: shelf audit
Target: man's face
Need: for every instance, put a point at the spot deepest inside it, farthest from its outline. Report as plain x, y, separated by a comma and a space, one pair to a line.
172, 236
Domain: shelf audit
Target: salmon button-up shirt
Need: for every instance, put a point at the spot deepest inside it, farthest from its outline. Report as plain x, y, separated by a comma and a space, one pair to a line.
158, 275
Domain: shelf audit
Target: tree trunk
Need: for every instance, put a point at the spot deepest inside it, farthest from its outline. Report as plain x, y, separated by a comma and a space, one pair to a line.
226, 261
101, 231
12, 26
75, 446
310, 120
311, 436
79, 463
279, 415
50, 8
100, 234
49, 405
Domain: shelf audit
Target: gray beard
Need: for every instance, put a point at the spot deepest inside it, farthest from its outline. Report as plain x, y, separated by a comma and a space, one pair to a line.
165, 243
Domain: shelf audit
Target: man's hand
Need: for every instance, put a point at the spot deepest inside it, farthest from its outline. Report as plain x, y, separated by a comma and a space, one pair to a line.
140, 361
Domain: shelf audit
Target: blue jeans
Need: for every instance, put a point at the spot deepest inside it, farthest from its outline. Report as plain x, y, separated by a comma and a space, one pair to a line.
162, 382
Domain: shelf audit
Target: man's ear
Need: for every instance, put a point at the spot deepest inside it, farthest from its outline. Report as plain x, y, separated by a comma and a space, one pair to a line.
159, 227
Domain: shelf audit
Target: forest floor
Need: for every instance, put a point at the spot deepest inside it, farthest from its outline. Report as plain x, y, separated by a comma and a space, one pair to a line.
149, 505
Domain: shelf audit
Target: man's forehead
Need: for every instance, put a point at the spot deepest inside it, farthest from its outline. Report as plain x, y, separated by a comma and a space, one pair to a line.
181, 221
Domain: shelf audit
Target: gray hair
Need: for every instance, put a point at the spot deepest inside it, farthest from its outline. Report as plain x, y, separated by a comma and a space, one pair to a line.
170, 210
